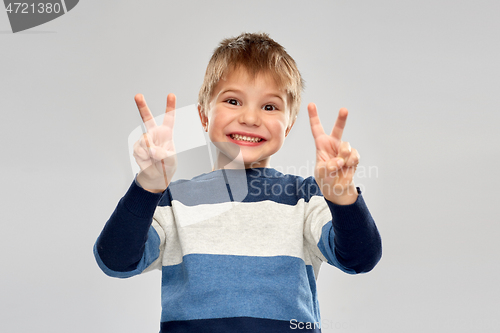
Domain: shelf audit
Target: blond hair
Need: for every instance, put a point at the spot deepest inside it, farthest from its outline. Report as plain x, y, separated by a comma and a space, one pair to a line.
257, 53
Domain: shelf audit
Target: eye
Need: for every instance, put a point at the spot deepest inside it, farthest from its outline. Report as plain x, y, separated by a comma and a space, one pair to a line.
232, 101
270, 107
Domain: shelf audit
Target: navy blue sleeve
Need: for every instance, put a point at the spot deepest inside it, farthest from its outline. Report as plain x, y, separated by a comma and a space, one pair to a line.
121, 244
356, 239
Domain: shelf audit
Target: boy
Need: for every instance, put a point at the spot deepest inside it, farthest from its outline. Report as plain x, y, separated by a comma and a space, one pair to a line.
241, 255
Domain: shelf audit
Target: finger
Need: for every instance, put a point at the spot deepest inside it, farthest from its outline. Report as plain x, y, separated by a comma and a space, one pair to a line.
344, 151
141, 155
146, 143
140, 151
316, 127
147, 117
168, 119
335, 164
342, 158
353, 158
153, 151
158, 153
171, 99
338, 128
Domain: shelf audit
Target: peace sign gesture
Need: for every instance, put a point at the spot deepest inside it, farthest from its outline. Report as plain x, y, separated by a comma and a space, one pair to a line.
155, 152
336, 162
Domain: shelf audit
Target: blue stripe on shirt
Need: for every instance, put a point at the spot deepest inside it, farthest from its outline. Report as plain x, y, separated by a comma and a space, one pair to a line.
242, 186
223, 286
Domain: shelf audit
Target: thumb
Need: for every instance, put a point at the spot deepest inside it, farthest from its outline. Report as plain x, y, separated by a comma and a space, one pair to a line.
335, 164
158, 153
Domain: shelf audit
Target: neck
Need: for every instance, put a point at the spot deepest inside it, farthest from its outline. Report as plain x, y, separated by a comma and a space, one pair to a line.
224, 162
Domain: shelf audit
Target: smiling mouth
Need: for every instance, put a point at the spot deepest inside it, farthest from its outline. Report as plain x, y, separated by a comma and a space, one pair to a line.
239, 137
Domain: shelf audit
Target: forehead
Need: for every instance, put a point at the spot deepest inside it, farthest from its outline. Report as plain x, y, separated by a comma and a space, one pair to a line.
242, 77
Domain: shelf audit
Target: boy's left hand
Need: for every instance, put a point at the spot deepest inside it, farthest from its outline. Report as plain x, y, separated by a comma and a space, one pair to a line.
336, 161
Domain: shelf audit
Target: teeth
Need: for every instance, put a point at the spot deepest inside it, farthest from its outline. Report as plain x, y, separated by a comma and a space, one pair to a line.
245, 138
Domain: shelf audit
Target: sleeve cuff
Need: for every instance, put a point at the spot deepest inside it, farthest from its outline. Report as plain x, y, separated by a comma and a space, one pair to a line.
140, 202
350, 217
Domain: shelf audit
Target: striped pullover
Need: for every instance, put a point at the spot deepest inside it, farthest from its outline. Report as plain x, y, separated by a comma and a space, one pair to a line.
239, 250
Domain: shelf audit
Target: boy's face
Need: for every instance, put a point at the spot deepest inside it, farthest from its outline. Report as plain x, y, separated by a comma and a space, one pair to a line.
247, 114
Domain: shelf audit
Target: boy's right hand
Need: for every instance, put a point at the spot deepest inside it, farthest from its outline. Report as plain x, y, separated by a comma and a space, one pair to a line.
155, 152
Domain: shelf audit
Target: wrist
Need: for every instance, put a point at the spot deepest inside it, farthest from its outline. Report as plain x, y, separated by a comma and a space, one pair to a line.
148, 185
345, 196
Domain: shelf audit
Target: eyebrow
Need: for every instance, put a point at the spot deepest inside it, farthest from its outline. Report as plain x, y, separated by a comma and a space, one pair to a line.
235, 90
231, 90
275, 95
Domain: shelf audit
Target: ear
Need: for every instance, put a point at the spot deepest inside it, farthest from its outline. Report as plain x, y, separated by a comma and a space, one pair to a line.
203, 118
290, 127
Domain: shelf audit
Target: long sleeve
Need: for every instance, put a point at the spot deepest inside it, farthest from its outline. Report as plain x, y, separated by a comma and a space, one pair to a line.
128, 243
351, 239
345, 236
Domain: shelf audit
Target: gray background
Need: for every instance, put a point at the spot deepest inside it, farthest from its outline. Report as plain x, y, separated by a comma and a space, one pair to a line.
420, 79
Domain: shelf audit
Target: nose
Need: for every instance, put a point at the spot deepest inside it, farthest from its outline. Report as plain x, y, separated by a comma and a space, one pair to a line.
250, 116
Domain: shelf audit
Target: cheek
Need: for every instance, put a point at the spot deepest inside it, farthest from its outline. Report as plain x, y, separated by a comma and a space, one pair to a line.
216, 125
279, 128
